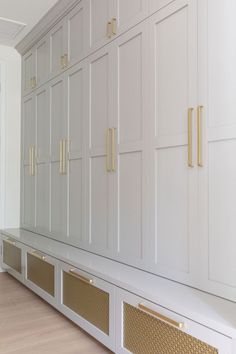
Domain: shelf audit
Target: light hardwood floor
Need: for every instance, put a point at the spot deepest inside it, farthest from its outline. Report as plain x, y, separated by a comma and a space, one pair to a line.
28, 325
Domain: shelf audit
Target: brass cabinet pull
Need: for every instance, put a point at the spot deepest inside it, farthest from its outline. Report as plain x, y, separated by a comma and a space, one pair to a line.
199, 136
30, 161
160, 317
80, 277
114, 26
190, 138
113, 150
109, 29
33, 82
10, 242
108, 167
65, 61
62, 62
37, 255
61, 157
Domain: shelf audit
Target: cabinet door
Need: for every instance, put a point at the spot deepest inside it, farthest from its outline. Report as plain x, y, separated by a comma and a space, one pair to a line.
58, 48
28, 71
77, 109
144, 327
130, 124
217, 173
42, 53
127, 14
98, 178
58, 177
28, 170
172, 180
99, 13
76, 30
42, 154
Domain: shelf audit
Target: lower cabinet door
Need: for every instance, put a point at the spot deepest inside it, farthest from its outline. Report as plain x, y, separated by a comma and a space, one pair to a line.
143, 327
89, 302
41, 274
12, 257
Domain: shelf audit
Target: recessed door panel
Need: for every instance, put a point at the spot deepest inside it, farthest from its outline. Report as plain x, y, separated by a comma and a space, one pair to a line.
99, 15
43, 197
43, 60
29, 198
57, 48
29, 126
76, 33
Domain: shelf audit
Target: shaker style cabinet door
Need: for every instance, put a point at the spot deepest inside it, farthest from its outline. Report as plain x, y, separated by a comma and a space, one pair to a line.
29, 72
42, 160
76, 83
217, 145
172, 143
59, 148
58, 48
129, 146
98, 165
28, 163
42, 54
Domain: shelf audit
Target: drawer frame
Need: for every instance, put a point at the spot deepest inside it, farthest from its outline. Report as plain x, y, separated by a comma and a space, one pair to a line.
214, 339
52, 300
107, 340
6, 267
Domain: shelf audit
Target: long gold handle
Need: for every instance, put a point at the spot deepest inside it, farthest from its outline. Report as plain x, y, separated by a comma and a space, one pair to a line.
37, 255
109, 29
60, 157
80, 277
65, 62
64, 154
108, 167
62, 62
174, 323
30, 161
113, 150
199, 136
190, 138
10, 242
114, 26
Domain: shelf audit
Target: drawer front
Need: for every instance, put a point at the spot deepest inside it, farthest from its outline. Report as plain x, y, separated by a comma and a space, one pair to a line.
41, 272
148, 328
12, 255
89, 302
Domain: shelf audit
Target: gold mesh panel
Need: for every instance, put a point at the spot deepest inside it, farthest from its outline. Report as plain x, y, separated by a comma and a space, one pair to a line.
87, 301
146, 334
41, 273
12, 256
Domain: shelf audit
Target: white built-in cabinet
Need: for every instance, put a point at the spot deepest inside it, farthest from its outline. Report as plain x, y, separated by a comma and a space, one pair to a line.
130, 136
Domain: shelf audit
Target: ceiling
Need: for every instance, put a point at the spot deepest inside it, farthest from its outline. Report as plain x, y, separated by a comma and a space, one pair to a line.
18, 17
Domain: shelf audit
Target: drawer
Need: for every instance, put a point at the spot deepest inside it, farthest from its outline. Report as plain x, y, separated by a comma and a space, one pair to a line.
149, 328
41, 274
89, 302
12, 257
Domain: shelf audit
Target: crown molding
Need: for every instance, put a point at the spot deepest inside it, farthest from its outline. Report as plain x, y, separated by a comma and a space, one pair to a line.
55, 14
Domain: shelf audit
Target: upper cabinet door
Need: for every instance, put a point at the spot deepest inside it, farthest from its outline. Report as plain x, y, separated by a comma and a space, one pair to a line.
58, 48
42, 53
76, 30
172, 143
129, 146
126, 14
217, 170
99, 14
29, 72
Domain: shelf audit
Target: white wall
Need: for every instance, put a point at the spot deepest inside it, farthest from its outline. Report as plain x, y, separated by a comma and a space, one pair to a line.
10, 107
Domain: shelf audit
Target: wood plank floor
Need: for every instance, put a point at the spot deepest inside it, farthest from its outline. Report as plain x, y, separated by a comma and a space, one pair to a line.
28, 325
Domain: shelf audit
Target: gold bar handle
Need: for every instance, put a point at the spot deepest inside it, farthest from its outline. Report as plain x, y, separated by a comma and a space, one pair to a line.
199, 136
37, 255
65, 61
10, 242
190, 138
113, 150
179, 325
62, 62
30, 161
60, 157
114, 26
108, 167
80, 277
109, 29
